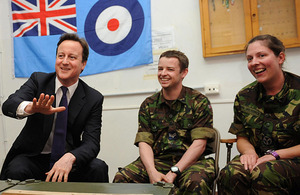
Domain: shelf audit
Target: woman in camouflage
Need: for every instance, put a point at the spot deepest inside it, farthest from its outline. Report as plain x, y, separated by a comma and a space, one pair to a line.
267, 126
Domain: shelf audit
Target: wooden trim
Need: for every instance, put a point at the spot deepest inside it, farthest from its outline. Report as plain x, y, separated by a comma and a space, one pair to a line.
252, 29
297, 6
228, 141
248, 20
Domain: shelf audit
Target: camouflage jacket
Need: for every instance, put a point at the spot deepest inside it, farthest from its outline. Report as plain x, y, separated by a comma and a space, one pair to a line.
269, 122
171, 127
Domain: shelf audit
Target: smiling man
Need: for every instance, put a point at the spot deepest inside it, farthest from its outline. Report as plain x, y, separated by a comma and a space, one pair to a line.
175, 125
44, 151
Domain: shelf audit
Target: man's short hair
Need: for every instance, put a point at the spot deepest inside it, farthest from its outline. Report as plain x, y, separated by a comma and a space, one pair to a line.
75, 37
183, 60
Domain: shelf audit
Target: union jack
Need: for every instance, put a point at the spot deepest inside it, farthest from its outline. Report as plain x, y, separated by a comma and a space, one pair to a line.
43, 17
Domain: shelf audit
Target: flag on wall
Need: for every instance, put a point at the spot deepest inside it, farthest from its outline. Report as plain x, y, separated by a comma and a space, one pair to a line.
117, 31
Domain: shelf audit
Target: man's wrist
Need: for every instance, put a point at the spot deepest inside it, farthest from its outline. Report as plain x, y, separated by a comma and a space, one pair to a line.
175, 169
21, 110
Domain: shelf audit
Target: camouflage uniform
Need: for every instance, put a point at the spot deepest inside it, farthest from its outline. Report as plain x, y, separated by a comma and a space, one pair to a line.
269, 122
170, 127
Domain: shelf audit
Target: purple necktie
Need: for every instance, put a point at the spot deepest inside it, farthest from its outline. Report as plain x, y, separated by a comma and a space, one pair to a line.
60, 131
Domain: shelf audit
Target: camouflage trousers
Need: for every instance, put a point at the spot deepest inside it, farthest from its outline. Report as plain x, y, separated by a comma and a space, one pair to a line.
273, 177
196, 179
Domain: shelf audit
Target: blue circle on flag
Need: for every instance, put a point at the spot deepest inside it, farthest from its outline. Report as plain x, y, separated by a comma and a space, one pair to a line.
111, 49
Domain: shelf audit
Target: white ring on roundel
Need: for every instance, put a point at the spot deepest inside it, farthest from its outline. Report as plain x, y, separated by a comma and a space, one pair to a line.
125, 23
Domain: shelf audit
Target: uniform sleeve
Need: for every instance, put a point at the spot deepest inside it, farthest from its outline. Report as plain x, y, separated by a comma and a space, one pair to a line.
203, 120
144, 132
237, 127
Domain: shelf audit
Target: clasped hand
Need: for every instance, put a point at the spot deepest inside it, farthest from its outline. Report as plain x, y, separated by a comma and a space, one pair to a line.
157, 176
43, 105
250, 161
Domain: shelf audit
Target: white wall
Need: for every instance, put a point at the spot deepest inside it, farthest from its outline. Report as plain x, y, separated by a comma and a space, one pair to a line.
120, 111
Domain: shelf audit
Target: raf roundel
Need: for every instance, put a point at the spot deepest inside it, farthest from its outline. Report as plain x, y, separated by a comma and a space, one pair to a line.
112, 26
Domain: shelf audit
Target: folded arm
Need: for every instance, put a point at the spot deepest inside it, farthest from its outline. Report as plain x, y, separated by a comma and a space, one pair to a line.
147, 157
189, 158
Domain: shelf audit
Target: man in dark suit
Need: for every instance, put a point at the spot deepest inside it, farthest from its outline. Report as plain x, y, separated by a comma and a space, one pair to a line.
30, 154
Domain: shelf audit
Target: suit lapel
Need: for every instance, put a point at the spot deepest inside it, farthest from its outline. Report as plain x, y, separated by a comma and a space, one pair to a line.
76, 103
48, 119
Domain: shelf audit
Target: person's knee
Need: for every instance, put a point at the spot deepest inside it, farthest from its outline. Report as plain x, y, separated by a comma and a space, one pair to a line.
225, 176
100, 168
222, 176
17, 171
119, 178
231, 181
265, 179
196, 182
197, 186
15, 174
194, 185
95, 171
135, 172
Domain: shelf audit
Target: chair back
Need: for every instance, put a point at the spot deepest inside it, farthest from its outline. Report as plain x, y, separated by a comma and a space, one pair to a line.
214, 147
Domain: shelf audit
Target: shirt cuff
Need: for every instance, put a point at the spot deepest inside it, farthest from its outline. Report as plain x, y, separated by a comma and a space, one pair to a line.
203, 133
144, 137
237, 129
21, 110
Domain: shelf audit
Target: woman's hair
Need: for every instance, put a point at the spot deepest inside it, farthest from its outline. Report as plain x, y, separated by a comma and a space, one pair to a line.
269, 41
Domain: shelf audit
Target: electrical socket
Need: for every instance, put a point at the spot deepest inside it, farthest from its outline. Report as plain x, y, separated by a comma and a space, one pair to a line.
211, 89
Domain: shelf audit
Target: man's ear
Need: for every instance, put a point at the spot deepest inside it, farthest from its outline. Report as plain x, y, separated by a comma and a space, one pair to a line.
83, 66
281, 58
184, 73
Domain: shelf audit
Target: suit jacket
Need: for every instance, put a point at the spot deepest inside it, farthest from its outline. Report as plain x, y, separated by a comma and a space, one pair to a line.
84, 120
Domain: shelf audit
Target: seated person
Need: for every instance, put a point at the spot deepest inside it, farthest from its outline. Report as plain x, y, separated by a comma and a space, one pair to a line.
267, 126
37, 153
174, 126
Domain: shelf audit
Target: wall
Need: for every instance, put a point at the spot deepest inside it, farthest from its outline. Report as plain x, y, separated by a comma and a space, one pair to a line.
124, 90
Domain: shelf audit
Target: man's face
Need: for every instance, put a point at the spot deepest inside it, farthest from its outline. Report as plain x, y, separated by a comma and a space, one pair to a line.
69, 65
169, 75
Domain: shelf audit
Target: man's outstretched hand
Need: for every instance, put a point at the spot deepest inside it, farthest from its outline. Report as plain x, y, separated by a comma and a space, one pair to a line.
43, 105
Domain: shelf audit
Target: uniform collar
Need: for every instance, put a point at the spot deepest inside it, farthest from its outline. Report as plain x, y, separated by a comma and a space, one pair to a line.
280, 97
180, 98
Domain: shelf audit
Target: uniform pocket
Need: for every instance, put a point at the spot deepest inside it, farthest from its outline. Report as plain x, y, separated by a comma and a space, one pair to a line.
288, 132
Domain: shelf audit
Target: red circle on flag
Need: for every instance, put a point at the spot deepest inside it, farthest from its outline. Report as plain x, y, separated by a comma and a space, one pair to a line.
113, 24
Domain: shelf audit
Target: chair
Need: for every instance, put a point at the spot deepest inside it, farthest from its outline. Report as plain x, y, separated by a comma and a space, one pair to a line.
229, 143
215, 149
